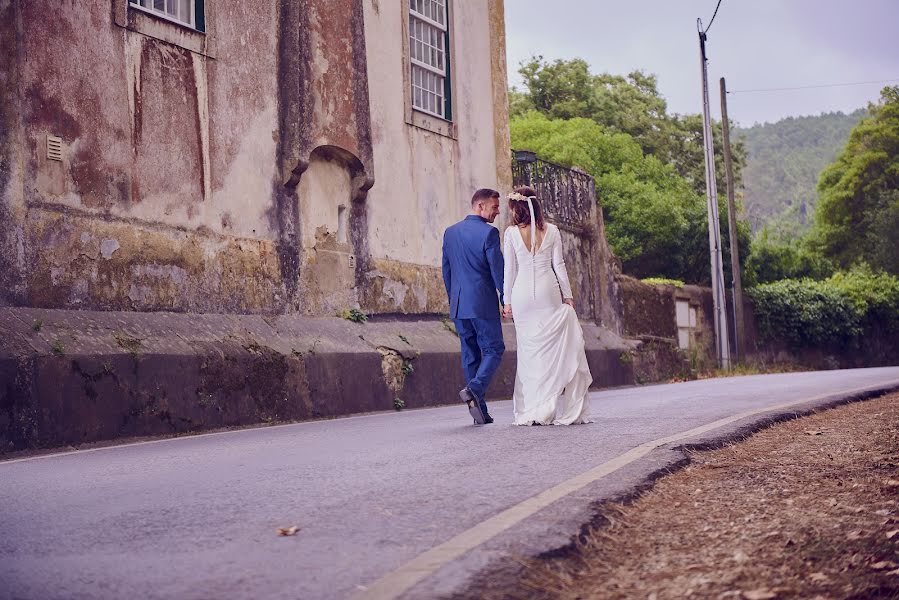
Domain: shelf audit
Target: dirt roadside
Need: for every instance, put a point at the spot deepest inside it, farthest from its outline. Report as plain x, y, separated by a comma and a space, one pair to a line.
808, 508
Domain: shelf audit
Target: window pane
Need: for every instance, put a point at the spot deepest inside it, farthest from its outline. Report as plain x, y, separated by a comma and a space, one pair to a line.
184, 11
428, 52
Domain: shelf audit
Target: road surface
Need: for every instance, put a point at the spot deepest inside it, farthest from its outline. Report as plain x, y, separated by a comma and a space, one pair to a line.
409, 504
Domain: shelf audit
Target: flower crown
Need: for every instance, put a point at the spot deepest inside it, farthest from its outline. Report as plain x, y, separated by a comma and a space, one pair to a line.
520, 197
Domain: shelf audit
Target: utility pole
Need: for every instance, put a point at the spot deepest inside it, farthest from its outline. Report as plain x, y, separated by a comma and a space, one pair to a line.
722, 346
739, 331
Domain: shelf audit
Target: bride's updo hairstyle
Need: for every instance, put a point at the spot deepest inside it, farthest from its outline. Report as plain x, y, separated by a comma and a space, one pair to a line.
519, 208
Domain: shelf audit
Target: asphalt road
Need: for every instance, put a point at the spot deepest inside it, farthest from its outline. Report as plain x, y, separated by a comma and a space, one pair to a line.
412, 503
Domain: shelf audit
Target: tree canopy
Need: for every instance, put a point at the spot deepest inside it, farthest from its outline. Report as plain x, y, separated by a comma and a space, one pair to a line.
857, 217
656, 223
649, 165
565, 89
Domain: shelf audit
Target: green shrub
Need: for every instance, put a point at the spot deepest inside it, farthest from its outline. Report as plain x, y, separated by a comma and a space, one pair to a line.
353, 314
663, 281
835, 313
876, 295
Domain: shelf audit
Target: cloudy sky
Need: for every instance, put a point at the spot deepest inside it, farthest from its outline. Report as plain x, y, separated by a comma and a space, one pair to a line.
754, 44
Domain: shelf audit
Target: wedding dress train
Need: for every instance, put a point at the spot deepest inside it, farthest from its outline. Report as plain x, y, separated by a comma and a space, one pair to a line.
552, 376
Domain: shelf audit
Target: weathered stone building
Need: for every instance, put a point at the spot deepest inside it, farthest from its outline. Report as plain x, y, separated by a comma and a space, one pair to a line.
259, 167
279, 156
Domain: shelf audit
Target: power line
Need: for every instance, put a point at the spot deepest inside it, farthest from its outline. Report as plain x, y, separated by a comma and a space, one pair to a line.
713, 17
809, 87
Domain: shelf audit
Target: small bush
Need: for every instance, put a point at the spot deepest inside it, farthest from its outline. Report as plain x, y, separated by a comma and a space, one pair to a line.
663, 281
354, 314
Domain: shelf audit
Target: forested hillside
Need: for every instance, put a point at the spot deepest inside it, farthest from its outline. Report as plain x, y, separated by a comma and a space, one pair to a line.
783, 163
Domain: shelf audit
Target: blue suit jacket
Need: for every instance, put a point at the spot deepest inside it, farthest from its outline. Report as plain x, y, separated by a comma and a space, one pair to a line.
472, 269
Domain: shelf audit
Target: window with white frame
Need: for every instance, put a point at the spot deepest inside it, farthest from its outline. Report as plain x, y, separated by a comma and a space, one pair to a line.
184, 12
429, 54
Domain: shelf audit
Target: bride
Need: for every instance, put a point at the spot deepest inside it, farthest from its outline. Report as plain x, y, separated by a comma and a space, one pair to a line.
552, 376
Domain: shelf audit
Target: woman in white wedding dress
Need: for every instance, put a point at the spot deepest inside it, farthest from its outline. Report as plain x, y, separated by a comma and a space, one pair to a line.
552, 375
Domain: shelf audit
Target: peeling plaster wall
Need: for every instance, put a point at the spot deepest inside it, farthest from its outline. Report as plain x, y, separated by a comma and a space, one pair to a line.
169, 157
424, 180
12, 202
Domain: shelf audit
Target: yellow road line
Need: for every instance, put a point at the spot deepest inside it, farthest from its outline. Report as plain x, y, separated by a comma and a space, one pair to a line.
397, 582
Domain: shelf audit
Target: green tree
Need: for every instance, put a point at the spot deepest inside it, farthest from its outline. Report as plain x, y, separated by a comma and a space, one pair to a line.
774, 257
632, 104
655, 222
857, 217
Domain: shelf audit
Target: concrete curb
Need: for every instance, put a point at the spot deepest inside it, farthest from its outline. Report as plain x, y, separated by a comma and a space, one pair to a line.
75, 377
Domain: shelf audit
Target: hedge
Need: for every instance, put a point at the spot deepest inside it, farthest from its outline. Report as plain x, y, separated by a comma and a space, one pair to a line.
836, 313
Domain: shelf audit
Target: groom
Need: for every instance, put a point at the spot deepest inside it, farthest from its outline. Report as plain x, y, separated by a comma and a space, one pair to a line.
473, 273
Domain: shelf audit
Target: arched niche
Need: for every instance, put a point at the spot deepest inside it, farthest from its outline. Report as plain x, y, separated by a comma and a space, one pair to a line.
331, 189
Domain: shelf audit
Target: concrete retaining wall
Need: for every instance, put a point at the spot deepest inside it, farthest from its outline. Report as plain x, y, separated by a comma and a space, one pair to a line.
74, 377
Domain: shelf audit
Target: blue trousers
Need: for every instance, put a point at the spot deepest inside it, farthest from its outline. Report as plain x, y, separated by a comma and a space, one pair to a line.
482, 350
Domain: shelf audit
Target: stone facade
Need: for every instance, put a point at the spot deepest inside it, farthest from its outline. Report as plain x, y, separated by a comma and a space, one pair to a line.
271, 163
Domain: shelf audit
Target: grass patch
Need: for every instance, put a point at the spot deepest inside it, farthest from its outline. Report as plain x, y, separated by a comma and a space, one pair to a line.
353, 314
663, 281
448, 325
132, 345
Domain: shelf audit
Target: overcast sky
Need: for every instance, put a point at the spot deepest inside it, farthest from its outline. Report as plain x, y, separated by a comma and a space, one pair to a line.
752, 44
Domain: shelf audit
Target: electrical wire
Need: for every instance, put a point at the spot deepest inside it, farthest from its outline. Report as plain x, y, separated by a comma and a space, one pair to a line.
713, 17
809, 87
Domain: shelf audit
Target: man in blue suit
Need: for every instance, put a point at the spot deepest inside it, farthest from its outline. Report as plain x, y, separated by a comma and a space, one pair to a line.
473, 274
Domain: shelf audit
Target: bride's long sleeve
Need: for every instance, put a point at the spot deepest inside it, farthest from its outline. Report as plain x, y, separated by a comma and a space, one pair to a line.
511, 266
559, 267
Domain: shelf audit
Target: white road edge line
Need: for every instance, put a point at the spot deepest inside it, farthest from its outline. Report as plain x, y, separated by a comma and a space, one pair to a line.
397, 582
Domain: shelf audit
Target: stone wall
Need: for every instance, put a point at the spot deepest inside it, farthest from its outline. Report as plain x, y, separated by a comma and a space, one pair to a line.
649, 313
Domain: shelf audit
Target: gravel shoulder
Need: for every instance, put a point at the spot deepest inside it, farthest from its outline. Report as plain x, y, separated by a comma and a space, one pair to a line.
804, 509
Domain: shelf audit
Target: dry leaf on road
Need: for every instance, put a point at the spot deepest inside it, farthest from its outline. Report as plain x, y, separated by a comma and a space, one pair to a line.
892, 534
292, 530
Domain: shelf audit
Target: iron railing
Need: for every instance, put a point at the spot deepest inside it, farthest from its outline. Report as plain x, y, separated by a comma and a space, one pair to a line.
566, 195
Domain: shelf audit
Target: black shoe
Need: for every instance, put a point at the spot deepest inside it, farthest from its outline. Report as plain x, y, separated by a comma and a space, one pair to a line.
474, 409
488, 419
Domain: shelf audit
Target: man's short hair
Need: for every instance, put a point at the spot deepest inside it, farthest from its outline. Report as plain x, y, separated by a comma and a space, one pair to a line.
484, 194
